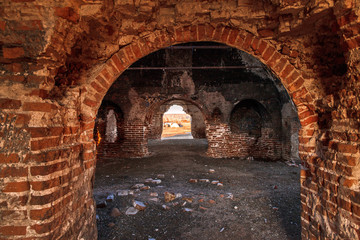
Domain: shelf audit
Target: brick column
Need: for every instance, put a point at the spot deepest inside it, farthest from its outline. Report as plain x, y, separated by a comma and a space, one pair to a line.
135, 140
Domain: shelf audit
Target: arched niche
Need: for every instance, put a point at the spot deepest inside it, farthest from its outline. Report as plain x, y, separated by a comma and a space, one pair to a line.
176, 123
197, 119
250, 117
109, 128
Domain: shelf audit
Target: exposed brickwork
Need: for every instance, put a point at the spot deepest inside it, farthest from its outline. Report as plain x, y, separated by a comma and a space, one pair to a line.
59, 59
224, 143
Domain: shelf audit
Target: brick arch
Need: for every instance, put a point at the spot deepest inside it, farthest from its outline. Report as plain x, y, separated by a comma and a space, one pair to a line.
292, 78
155, 107
254, 105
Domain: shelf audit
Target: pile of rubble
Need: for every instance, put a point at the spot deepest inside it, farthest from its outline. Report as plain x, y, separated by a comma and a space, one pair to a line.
150, 192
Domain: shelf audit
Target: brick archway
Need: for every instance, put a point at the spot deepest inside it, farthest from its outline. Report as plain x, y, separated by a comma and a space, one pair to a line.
156, 108
292, 78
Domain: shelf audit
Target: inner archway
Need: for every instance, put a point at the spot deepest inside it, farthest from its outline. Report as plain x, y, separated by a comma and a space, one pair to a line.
186, 75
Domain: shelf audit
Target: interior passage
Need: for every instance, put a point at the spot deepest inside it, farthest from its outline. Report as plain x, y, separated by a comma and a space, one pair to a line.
179, 193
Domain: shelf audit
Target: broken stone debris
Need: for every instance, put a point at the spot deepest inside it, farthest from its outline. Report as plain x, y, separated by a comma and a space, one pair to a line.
169, 196
138, 186
165, 207
154, 199
154, 194
131, 211
189, 200
161, 176
230, 196
115, 212
178, 195
188, 210
145, 188
123, 193
204, 180
156, 181
148, 180
211, 170
110, 198
139, 205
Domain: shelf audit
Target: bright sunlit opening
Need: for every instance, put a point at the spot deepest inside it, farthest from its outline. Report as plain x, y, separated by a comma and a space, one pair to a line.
176, 124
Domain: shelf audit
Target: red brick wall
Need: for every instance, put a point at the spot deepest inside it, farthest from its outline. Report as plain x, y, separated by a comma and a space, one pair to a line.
330, 191
156, 126
55, 70
222, 143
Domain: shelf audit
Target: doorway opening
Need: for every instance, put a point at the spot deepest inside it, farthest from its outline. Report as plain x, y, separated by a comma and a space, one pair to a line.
201, 188
176, 124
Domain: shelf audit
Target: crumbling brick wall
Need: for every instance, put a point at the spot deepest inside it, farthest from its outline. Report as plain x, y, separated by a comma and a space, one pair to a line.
58, 60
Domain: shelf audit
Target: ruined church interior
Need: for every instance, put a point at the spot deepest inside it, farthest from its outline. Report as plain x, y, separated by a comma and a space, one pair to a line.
179, 119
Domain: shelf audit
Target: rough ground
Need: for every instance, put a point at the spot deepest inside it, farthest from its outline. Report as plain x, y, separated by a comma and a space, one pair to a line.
265, 203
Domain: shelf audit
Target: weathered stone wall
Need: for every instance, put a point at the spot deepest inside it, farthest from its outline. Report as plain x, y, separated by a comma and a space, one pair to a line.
58, 59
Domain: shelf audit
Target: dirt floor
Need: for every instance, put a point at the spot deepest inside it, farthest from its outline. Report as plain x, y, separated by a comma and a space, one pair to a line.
258, 200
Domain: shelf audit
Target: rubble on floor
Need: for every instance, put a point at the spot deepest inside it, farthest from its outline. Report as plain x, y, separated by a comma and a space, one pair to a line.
231, 200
